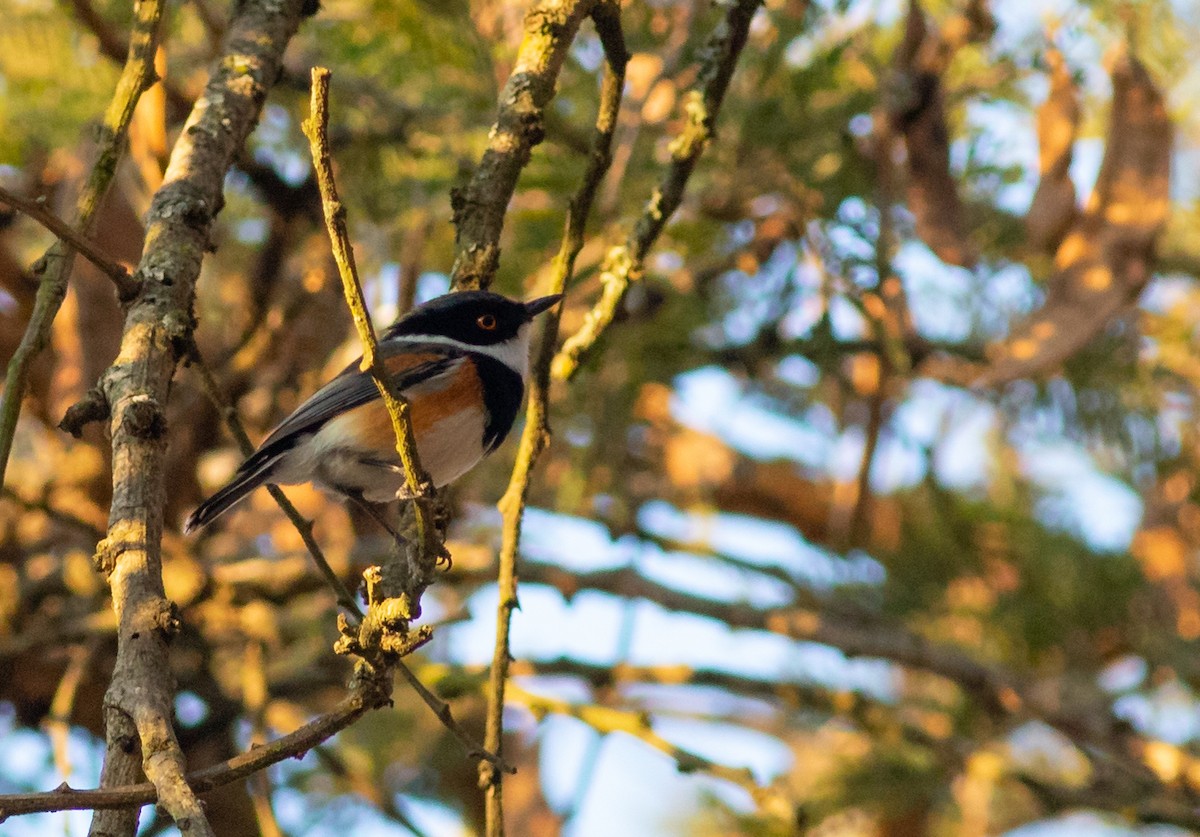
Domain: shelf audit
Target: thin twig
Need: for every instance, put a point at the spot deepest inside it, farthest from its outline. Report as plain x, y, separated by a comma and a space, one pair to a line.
536, 434
36, 209
607, 720
383, 634
625, 264
442, 710
369, 692
55, 265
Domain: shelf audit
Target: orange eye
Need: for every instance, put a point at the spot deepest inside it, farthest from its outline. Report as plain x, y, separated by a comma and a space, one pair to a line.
487, 322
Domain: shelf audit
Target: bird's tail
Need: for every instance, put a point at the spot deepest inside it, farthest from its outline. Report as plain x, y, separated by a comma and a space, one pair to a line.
242, 484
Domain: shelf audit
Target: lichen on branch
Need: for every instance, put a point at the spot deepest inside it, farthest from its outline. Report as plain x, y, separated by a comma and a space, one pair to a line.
624, 264
480, 206
156, 335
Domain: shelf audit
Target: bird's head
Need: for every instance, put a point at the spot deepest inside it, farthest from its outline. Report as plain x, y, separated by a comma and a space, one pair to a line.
479, 320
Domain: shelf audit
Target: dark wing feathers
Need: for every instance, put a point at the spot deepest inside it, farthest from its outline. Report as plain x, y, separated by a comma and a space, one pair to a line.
353, 388
407, 362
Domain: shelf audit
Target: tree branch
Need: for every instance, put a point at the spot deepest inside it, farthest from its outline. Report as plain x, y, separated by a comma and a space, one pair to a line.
536, 434
915, 110
480, 207
54, 267
1087, 720
36, 209
157, 333
369, 692
624, 264
1107, 255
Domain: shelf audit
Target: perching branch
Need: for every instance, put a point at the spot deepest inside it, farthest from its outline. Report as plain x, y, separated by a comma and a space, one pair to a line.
156, 335
624, 264
480, 207
54, 267
403, 594
440, 708
316, 128
382, 636
536, 434
369, 692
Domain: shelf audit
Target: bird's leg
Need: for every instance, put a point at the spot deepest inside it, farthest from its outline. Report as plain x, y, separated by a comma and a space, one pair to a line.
391, 467
357, 498
403, 494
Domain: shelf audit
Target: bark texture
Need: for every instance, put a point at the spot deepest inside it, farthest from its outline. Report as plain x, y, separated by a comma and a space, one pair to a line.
157, 333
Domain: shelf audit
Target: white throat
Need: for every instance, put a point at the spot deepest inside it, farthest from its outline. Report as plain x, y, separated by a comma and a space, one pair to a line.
513, 353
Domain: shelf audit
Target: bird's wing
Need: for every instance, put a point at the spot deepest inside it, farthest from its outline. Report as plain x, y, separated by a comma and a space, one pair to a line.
407, 364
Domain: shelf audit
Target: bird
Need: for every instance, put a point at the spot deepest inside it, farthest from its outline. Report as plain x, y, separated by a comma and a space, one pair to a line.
460, 360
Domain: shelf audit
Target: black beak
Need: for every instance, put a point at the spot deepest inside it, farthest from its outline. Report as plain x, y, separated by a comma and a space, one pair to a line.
537, 306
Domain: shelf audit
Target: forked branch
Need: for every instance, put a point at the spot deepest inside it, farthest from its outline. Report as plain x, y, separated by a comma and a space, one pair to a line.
55, 265
625, 264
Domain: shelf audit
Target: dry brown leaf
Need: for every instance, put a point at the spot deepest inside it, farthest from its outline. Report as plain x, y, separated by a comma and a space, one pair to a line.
1108, 255
1053, 208
918, 114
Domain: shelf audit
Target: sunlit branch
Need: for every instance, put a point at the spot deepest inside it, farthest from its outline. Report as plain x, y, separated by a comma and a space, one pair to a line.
625, 264
536, 434
480, 207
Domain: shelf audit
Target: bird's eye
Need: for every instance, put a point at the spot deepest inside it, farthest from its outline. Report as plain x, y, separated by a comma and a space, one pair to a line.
487, 322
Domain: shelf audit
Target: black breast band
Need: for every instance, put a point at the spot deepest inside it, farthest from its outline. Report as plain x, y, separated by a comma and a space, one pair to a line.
502, 393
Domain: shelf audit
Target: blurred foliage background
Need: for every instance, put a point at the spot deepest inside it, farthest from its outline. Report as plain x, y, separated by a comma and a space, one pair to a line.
883, 486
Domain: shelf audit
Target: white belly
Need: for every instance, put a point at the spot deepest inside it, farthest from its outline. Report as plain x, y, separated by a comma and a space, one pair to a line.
447, 451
